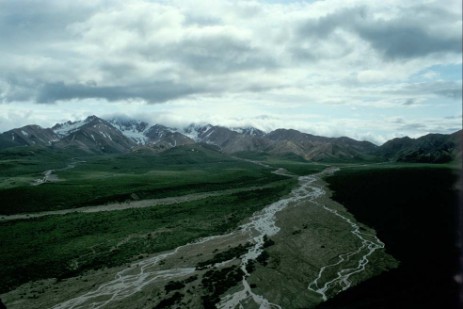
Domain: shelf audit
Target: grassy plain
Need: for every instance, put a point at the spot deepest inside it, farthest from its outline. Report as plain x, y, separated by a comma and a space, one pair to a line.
291, 162
120, 178
67, 245
62, 246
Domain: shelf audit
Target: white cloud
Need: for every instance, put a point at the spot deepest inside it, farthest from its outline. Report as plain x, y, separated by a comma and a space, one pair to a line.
229, 60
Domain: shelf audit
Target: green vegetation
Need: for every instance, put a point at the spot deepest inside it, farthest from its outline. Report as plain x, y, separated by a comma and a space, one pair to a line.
250, 266
170, 301
174, 285
190, 279
356, 167
102, 189
19, 166
263, 258
291, 162
264, 156
68, 245
229, 254
106, 179
268, 242
217, 282
298, 168
62, 246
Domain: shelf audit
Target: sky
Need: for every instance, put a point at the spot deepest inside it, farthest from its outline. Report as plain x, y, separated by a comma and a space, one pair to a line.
370, 70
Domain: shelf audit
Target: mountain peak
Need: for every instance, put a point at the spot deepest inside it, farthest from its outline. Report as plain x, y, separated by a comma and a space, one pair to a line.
248, 130
68, 127
121, 134
29, 135
91, 118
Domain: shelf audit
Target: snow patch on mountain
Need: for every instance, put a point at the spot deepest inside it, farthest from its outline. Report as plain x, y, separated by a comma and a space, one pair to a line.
251, 131
137, 136
196, 132
69, 127
133, 129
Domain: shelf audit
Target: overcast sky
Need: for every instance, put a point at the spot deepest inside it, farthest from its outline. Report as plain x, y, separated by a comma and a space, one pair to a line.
370, 70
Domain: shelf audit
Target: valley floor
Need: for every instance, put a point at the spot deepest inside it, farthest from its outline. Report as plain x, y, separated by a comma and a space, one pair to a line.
134, 204
294, 253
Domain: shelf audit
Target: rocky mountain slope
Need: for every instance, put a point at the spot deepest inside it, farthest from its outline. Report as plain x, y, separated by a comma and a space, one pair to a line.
30, 135
93, 135
431, 148
122, 134
320, 148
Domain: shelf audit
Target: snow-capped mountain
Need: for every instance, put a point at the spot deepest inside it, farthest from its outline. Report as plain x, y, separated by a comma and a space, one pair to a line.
131, 128
159, 134
230, 140
66, 128
121, 135
250, 131
196, 132
92, 135
144, 135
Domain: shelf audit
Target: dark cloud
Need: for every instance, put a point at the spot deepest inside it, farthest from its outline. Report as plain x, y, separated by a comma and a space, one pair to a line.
221, 54
452, 93
311, 36
408, 35
401, 38
153, 93
50, 92
26, 23
454, 117
117, 69
46, 33
449, 89
409, 101
19, 88
158, 51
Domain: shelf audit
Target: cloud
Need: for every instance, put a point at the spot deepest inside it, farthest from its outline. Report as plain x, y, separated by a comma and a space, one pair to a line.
453, 117
220, 53
410, 101
413, 126
408, 34
234, 59
418, 127
131, 50
154, 92
160, 51
408, 37
448, 89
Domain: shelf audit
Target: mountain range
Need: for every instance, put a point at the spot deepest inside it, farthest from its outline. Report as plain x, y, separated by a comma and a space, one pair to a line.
122, 135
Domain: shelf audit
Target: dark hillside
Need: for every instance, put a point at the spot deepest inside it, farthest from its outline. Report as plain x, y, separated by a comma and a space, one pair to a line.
414, 212
431, 148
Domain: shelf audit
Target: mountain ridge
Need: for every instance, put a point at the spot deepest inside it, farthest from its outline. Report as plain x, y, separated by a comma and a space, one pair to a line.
123, 135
